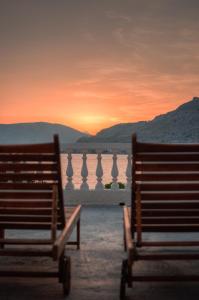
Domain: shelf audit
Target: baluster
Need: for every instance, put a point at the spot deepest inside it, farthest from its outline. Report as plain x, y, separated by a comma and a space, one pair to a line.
128, 172
99, 172
114, 173
84, 173
69, 173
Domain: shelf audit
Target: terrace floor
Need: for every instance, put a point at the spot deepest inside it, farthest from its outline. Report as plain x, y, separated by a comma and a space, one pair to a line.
96, 267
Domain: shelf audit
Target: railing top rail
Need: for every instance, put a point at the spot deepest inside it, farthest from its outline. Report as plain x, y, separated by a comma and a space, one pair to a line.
109, 147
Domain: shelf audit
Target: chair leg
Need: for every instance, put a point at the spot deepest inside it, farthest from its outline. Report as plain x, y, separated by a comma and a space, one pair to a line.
2, 235
65, 273
124, 238
129, 275
67, 276
78, 234
123, 280
61, 267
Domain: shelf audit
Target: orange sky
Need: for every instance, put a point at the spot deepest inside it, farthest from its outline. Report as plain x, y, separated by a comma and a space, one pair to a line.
92, 66
90, 108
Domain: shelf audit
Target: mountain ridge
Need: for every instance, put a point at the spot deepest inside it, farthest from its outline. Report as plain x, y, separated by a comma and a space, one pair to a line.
177, 126
37, 132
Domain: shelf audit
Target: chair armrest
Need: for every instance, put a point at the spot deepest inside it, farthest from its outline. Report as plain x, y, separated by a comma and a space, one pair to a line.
130, 247
62, 239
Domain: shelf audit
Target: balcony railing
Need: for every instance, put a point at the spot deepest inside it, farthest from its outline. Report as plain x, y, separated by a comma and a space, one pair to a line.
112, 149
97, 194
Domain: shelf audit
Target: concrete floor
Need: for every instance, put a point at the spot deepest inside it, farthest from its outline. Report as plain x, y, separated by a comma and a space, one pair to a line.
96, 268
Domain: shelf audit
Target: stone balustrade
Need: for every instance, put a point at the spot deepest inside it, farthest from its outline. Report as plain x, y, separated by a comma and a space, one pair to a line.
98, 148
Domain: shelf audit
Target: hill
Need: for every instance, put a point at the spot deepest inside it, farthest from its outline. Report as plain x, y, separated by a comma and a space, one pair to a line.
39, 132
178, 126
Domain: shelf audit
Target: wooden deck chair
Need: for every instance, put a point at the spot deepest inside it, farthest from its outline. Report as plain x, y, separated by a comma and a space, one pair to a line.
31, 198
165, 200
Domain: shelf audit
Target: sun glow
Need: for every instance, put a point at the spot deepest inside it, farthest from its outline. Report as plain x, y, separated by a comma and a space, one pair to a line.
94, 119
92, 123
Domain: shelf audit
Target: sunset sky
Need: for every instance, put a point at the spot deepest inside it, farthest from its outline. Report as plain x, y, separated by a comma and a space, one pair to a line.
90, 64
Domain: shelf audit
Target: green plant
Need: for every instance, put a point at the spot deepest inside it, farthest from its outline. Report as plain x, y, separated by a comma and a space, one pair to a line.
108, 185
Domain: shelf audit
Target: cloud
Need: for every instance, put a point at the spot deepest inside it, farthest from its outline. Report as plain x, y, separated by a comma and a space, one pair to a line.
118, 17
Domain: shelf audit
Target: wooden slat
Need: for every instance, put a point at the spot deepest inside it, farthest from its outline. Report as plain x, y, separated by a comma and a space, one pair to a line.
180, 157
167, 167
26, 241
34, 148
170, 228
170, 243
170, 213
25, 186
26, 252
26, 195
169, 186
23, 167
170, 196
27, 157
25, 204
40, 274
26, 211
35, 221
171, 256
170, 205
172, 278
167, 177
26, 218
27, 225
169, 220
19, 220
151, 147
28, 176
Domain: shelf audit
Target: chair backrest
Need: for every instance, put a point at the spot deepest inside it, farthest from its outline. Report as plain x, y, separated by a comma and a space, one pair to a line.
166, 176
27, 176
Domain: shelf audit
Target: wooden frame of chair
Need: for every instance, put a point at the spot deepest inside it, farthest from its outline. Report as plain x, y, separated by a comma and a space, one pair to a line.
165, 198
31, 197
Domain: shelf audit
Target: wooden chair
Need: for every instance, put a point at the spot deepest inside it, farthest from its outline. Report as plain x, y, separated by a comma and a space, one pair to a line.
165, 200
31, 198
